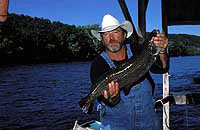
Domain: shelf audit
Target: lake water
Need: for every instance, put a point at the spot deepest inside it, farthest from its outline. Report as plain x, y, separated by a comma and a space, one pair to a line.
46, 96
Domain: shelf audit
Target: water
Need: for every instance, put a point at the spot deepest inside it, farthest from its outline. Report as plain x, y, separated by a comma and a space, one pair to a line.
45, 96
182, 71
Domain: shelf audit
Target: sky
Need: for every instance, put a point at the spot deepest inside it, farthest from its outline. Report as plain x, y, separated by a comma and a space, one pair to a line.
89, 12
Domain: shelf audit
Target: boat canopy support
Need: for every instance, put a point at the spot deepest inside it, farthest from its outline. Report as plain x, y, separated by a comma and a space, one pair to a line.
179, 99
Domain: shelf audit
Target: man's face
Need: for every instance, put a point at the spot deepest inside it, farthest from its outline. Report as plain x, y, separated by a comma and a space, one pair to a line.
113, 40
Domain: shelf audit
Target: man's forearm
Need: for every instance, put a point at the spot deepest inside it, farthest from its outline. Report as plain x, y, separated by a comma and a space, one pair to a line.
164, 60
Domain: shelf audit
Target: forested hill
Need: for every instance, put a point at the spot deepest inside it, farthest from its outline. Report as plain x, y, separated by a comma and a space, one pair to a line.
24, 39
184, 45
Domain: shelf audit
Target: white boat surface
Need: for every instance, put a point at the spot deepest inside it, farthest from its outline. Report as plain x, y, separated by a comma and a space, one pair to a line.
90, 125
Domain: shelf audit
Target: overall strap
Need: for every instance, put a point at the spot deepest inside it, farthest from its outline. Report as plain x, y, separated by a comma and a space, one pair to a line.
129, 52
101, 106
108, 60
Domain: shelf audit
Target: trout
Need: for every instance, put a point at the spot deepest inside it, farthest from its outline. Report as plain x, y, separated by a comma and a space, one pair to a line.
126, 74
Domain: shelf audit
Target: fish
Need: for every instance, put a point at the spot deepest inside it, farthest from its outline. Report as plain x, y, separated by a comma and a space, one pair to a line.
125, 74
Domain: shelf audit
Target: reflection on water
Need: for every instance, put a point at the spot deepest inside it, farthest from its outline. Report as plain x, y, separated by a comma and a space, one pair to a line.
45, 96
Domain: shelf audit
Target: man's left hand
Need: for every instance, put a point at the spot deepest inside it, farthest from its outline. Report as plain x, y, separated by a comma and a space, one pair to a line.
160, 40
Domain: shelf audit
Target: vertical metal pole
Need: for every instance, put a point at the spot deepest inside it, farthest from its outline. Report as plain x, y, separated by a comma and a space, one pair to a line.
166, 117
142, 6
166, 106
122, 3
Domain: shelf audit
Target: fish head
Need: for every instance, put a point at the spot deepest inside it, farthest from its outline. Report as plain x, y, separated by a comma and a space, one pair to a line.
154, 49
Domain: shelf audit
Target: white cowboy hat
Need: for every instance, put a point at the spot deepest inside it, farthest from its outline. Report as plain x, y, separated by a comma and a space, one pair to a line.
110, 23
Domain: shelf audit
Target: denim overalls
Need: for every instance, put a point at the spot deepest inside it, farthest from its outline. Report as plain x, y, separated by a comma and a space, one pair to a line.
134, 111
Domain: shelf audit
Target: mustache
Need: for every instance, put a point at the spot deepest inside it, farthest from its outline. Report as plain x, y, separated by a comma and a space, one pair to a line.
113, 47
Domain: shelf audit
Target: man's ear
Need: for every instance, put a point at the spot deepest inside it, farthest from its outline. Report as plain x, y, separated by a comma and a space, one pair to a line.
102, 43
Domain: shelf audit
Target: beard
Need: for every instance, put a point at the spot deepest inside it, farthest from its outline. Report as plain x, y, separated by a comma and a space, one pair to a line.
114, 47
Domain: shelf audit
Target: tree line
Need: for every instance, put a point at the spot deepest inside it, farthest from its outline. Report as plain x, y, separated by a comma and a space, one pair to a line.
24, 39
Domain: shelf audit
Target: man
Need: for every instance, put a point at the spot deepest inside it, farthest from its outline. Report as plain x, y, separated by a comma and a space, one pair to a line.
131, 108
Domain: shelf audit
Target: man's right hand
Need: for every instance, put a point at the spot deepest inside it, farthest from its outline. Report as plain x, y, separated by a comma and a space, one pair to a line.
113, 90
